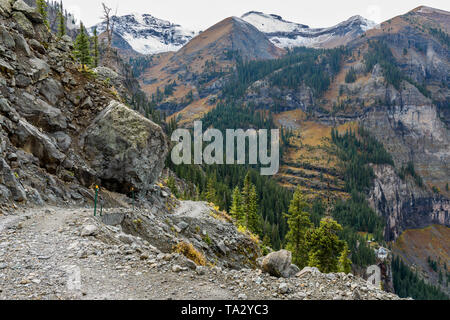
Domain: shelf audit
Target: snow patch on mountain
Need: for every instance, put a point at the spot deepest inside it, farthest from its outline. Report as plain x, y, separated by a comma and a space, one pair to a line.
147, 34
286, 34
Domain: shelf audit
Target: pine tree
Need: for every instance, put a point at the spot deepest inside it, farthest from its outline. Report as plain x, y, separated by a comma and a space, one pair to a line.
345, 264
210, 191
246, 205
266, 241
253, 218
299, 222
41, 6
96, 51
61, 21
236, 206
324, 246
82, 50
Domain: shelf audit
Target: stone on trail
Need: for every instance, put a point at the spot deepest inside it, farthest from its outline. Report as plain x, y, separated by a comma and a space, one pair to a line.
89, 230
278, 264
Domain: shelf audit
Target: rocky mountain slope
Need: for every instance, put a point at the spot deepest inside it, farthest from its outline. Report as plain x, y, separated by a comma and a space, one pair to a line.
393, 80
202, 62
411, 126
50, 147
146, 34
72, 25
412, 123
420, 247
285, 34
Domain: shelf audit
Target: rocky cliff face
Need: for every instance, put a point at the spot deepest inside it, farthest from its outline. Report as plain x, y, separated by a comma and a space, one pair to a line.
414, 132
72, 25
411, 129
54, 135
404, 205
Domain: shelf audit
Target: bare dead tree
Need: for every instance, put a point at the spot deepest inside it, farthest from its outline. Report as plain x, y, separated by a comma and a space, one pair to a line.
107, 20
110, 25
113, 24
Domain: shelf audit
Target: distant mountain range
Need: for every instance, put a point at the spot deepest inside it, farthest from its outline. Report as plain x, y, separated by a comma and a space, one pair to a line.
146, 34
285, 34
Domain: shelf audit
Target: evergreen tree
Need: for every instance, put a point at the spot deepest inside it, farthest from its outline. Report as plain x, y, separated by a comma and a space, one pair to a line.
246, 205
41, 6
253, 218
324, 246
350, 77
82, 50
211, 191
345, 264
96, 51
172, 186
266, 241
236, 206
299, 222
61, 21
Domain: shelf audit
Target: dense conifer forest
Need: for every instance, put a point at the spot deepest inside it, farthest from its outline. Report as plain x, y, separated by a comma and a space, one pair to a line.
313, 67
408, 284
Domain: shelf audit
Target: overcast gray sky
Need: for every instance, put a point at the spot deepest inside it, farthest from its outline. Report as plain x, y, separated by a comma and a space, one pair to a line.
201, 14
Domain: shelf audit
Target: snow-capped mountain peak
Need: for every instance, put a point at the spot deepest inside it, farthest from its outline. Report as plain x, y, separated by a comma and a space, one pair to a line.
286, 34
360, 21
149, 35
269, 23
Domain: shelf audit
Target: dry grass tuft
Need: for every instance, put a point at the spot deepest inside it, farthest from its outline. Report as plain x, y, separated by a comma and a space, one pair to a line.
188, 250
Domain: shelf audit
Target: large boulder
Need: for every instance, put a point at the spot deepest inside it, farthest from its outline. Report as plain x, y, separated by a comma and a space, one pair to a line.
278, 264
124, 148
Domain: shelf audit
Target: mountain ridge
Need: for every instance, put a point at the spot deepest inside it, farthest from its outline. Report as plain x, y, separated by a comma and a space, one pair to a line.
147, 34
288, 34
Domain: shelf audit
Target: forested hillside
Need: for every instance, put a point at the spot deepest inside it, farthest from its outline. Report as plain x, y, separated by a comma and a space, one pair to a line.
330, 106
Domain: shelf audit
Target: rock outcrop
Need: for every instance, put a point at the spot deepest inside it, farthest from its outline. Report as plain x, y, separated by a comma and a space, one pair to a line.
404, 205
194, 224
58, 135
414, 132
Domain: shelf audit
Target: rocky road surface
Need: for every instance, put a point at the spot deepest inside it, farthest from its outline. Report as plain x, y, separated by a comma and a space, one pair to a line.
64, 253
